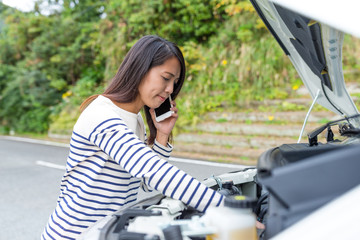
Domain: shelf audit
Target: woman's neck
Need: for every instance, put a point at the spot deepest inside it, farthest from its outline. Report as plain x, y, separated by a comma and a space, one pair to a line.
132, 107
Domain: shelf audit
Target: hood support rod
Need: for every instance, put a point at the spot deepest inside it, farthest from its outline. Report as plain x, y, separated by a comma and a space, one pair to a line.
308, 114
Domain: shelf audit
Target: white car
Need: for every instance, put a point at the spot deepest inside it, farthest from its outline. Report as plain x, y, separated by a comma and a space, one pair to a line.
303, 190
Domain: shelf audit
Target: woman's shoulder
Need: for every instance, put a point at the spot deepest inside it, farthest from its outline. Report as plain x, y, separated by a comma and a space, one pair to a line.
98, 112
100, 108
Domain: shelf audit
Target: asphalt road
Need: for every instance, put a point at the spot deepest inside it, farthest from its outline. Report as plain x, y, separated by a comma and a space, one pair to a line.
30, 174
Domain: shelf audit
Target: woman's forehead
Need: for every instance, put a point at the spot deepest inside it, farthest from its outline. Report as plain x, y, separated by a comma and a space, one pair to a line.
171, 67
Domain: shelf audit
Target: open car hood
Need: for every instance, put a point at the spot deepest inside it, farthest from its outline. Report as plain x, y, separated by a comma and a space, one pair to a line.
315, 50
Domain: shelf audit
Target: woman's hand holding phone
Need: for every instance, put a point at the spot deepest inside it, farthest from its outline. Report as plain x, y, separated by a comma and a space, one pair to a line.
165, 126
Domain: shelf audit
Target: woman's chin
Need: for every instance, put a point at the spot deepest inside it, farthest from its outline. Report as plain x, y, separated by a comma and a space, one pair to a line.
153, 105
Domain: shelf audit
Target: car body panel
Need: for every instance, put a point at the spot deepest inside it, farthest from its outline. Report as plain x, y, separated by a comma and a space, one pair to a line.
315, 50
342, 15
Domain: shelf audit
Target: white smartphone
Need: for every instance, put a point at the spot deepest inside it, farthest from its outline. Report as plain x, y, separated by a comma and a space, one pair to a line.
163, 111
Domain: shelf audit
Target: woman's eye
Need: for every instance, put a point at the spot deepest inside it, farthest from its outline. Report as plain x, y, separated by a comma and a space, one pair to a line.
166, 79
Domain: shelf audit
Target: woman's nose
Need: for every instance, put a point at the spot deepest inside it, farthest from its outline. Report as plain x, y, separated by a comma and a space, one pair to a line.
169, 87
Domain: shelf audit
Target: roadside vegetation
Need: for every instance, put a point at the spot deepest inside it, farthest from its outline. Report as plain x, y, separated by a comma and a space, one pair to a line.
50, 63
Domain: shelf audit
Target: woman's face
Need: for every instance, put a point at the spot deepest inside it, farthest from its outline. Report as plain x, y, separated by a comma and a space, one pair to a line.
158, 83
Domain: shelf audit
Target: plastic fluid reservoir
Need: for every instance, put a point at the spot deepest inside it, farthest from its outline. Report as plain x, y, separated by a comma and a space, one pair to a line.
233, 221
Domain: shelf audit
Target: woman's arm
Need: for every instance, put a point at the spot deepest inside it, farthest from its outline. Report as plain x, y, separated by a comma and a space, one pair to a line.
119, 142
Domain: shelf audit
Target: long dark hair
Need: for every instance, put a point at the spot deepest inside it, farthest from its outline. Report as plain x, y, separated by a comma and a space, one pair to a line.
149, 51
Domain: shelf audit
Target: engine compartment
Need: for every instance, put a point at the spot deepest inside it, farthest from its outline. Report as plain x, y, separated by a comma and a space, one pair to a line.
157, 216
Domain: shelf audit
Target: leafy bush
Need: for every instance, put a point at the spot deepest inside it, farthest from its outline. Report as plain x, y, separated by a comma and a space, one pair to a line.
42, 58
27, 102
239, 64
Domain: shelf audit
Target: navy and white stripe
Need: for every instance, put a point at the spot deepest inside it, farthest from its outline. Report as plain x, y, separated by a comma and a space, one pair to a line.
106, 166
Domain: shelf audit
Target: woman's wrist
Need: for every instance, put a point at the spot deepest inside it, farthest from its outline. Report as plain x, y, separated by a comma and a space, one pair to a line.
162, 138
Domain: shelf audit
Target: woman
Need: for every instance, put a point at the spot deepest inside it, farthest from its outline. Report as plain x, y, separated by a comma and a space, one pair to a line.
109, 160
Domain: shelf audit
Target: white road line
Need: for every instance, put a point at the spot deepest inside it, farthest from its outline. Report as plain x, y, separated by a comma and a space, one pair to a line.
50, 165
174, 159
30, 140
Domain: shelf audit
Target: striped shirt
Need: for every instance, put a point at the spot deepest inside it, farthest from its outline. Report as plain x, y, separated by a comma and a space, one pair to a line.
107, 164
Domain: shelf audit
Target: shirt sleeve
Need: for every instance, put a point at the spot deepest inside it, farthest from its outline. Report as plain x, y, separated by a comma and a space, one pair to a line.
121, 144
162, 151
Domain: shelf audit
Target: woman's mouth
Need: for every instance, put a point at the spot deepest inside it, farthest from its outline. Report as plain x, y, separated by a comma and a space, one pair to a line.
162, 98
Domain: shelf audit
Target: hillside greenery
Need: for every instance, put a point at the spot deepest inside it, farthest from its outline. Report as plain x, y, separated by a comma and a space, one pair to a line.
50, 63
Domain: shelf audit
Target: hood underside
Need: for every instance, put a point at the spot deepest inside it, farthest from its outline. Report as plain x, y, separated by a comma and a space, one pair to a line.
315, 50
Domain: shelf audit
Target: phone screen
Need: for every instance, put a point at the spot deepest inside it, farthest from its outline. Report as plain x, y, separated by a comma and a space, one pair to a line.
164, 108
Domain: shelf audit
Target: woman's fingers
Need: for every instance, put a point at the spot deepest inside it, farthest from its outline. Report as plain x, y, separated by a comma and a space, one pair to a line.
174, 109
